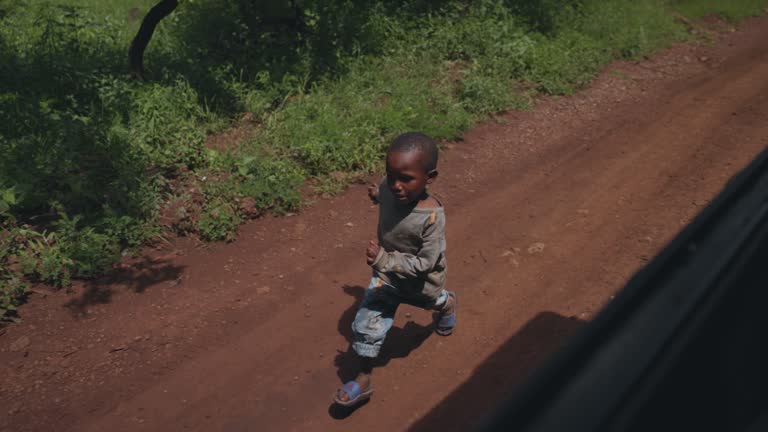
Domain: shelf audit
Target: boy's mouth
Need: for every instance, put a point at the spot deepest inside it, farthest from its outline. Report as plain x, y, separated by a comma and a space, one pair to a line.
399, 195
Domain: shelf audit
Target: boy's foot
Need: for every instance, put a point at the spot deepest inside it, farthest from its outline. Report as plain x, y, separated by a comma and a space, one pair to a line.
354, 391
446, 318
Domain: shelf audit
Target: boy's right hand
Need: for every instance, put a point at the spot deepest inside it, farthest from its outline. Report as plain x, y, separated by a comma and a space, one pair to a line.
373, 193
372, 252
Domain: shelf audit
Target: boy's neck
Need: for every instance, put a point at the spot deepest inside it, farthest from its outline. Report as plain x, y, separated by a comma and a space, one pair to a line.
427, 201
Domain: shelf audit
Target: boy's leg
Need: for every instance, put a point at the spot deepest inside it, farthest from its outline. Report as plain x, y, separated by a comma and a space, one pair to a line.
442, 302
373, 320
446, 302
446, 313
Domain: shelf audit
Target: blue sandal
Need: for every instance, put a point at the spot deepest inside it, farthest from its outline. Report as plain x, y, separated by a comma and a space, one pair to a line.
354, 392
446, 323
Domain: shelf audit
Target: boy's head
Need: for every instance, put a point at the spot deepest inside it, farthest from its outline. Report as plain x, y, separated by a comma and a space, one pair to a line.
411, 166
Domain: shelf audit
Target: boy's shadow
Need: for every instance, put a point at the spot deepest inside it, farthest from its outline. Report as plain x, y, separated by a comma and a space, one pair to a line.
399, 344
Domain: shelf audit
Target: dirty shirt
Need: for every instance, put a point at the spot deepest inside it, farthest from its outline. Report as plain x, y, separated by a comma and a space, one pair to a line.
412, 253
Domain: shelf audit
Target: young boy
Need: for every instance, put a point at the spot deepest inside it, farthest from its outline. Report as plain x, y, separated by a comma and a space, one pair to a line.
408, 260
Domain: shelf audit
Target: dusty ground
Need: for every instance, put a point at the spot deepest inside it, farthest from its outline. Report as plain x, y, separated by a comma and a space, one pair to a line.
550, 212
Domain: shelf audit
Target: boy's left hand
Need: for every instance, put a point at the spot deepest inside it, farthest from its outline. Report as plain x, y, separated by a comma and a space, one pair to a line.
372, 252
373, 193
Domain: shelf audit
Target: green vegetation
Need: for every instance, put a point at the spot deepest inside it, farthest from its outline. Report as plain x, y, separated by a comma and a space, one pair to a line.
731, 10
92, 163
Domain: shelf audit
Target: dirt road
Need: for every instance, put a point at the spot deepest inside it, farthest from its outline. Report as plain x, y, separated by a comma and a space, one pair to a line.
549, 213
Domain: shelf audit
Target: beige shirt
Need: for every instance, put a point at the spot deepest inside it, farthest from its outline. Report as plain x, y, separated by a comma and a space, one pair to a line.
412, 240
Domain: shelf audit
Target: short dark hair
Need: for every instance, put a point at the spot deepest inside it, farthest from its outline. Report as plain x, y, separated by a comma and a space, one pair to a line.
417, 141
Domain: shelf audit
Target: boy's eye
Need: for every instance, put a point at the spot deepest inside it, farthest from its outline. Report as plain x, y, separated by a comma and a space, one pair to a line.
400, 178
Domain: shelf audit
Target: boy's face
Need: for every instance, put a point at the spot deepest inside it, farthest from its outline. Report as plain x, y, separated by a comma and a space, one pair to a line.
406, 177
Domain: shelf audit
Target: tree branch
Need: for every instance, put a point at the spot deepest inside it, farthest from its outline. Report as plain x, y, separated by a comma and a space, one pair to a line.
140, 42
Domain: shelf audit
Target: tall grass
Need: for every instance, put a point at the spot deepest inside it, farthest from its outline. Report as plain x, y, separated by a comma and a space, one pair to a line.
733, 10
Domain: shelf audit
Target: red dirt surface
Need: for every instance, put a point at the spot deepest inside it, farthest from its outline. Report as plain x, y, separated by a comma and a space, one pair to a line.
549, 213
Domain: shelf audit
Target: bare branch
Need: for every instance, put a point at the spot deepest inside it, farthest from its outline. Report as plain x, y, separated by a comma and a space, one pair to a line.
140, 42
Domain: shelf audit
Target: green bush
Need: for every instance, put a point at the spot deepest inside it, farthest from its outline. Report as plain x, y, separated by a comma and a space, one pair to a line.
90, 252
12, 287
219, 220
733, 10
58, 256
272, 183
165, 126
487, 94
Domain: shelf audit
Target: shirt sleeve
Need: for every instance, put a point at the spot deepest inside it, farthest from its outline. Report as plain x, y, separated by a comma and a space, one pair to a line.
409, 265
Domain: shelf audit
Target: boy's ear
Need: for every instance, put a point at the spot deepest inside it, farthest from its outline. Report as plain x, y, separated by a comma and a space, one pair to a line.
431, 176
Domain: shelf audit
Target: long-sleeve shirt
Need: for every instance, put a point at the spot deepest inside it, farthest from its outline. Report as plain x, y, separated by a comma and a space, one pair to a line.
412, 240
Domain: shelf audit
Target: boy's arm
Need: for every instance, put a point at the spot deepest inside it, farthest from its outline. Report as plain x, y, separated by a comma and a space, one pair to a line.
373, 190
410, 265
373, 193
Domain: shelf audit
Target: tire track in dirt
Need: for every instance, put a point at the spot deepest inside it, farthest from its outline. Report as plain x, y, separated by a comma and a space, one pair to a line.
548, 214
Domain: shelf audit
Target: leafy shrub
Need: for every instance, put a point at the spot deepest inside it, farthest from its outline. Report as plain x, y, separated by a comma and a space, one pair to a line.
733, 10
487, 94
272, 183
12, 287
43, 259
164, 124
55, 257
218, 221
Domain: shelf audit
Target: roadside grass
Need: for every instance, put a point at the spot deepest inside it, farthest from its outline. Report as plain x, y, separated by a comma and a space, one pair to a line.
734, 10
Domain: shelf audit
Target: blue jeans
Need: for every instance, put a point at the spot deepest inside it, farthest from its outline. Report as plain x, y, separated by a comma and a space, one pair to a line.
376, 314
